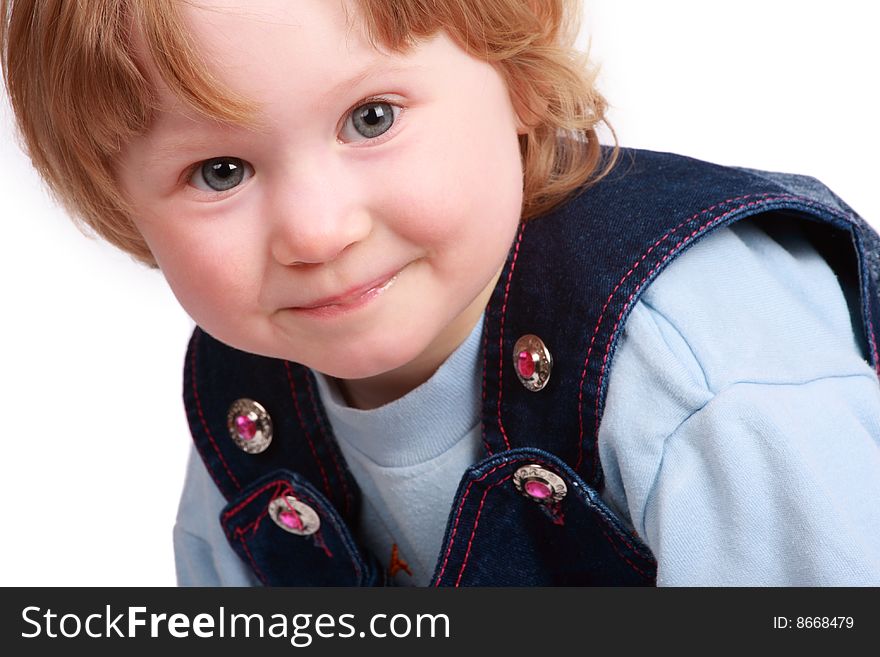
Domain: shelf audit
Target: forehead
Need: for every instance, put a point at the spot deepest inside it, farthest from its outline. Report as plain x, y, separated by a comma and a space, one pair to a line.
252, 31
270, 55
256, 47
289, 61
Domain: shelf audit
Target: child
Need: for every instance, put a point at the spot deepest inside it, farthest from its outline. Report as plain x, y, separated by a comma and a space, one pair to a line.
410, 301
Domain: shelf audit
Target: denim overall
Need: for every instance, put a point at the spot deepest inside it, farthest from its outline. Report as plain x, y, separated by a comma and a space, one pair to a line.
571, 277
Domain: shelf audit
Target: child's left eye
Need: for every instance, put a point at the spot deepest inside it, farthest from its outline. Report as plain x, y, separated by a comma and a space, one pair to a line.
369, 120
220, 174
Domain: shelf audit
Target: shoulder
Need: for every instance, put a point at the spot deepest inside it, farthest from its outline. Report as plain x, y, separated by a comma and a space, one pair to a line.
755, 301
745, 305
734, 370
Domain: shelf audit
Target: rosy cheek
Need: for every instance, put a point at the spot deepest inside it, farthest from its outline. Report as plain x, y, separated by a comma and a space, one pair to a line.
191, 276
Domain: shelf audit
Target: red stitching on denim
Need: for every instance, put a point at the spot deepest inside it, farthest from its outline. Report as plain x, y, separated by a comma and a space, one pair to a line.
766, 198
522, 229
272, 484
332, 519
467, 492
318, 537
467, 552
250, 557
485, 393
605, 307
195, 387
623, 556
622, 537
282, 488
346, 493
874, 347
871, 332
302, 424
638, 287
254, 526
626, 303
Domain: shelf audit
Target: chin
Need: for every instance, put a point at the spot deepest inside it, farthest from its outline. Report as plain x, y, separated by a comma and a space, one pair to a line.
365, 362
350, 369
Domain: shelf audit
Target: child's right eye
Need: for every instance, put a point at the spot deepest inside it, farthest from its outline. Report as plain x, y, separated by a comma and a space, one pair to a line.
220, 174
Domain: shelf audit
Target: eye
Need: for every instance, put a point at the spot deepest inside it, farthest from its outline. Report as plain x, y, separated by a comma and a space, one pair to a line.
220, 174
369, 120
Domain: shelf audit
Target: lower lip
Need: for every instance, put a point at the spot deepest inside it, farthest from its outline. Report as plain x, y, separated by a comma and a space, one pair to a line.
337, 309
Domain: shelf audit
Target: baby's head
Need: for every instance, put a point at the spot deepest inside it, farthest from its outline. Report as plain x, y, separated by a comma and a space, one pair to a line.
276, 159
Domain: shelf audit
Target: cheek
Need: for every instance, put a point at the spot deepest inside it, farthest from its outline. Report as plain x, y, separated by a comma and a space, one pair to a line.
484, 170
465, 186
209, 277
200, 286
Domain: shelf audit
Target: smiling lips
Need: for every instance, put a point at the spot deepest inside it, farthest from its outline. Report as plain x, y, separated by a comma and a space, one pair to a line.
352, 298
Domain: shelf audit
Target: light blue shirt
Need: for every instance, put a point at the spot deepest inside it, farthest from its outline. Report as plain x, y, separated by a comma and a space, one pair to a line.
740, 439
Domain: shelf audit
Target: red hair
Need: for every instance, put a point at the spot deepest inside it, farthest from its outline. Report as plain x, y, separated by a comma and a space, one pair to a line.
79, 91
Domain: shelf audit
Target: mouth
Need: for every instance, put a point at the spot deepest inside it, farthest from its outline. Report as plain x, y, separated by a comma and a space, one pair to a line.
351, 299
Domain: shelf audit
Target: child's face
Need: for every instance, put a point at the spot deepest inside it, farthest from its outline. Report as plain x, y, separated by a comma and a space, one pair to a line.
422, 187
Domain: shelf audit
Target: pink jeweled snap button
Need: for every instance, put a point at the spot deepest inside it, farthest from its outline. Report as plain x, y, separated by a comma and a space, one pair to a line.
532, 362
294, 516
539, 484
249, 425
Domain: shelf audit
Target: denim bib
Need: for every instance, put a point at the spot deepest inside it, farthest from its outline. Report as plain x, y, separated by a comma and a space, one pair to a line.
571, 278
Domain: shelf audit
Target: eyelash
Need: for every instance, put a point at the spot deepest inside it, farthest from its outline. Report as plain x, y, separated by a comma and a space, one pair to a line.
397, 109
201, 194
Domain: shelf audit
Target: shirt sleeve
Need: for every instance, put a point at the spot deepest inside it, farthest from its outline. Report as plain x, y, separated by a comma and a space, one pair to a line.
741, 433
202, 555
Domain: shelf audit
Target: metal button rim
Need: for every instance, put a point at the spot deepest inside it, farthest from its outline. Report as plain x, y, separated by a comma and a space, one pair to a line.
263, 438
309, 518
534, 471
533, 344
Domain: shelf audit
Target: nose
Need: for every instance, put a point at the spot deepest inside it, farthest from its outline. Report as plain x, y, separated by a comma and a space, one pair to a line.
317, 213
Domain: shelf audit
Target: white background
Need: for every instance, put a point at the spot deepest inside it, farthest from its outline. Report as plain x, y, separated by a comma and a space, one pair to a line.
92, 344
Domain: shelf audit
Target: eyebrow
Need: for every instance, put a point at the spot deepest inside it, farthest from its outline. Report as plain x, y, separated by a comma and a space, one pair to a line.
175, 147
375, 69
